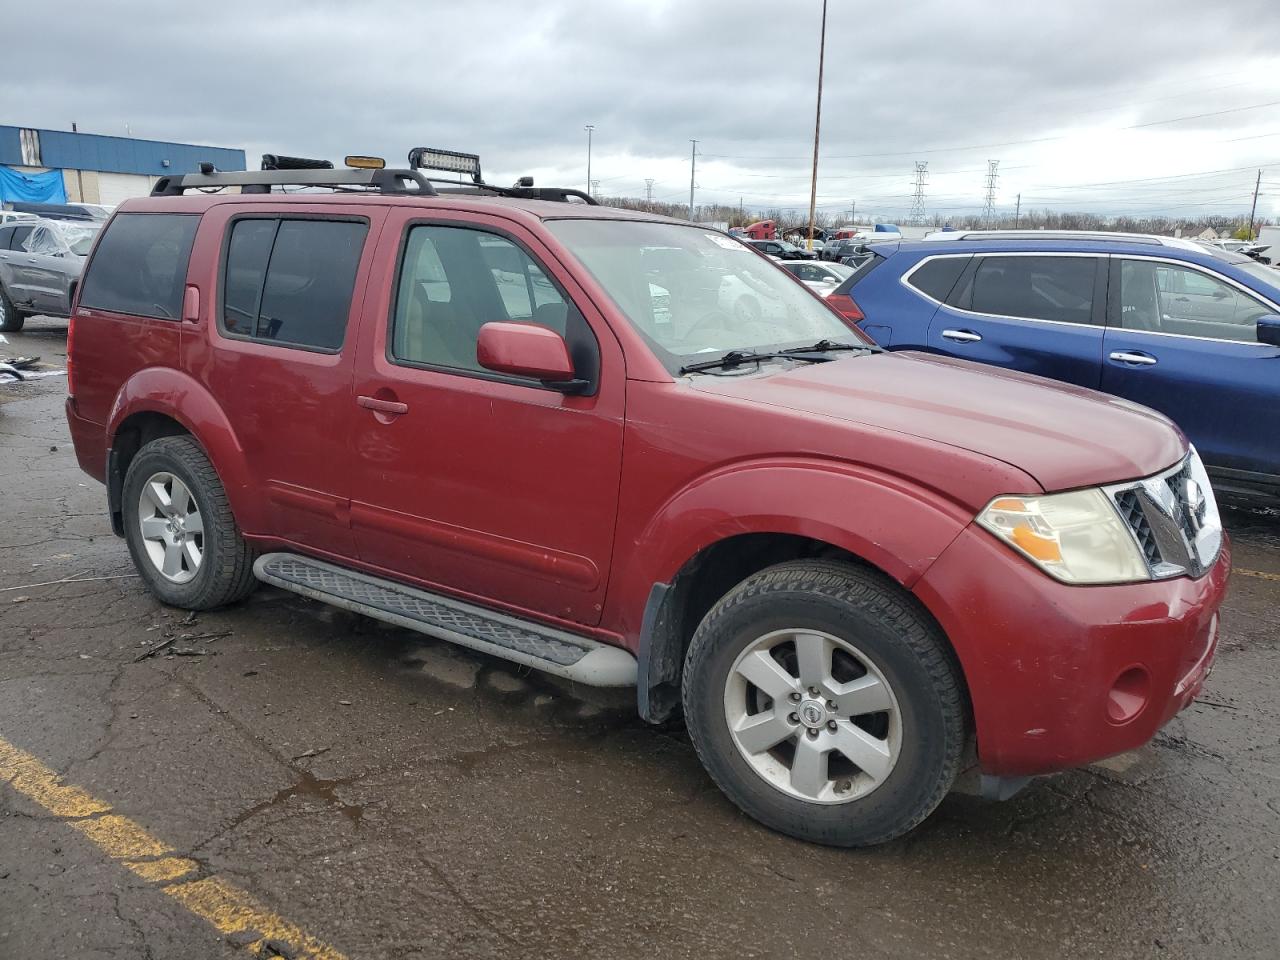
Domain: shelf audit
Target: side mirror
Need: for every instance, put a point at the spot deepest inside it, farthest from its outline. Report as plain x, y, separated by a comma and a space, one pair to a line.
1269, 329
527, 350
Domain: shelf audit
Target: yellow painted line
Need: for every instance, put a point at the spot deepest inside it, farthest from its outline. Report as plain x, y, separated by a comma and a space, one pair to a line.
1260, 574
224, 905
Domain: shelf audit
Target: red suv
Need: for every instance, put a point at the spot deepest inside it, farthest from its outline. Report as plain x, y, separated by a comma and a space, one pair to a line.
628, 450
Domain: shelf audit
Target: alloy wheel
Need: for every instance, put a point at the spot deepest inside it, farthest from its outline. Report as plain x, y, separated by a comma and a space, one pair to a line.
813, 716
171, 526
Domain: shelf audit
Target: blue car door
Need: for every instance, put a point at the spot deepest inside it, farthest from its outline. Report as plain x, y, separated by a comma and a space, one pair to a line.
1183, 340
1041, 313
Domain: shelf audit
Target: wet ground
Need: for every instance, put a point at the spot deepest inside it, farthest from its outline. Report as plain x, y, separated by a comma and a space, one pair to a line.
398, 798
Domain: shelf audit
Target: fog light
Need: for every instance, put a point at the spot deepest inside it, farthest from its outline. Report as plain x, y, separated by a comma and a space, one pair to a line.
1129, 695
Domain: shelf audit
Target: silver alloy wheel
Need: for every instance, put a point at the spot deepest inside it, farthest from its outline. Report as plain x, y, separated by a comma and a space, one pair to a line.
172, 528
813, 716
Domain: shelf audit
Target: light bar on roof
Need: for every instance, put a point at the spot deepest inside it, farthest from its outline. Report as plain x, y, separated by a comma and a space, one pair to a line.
429, 158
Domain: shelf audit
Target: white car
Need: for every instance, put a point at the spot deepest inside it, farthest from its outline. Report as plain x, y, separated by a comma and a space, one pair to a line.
13, 216
820, 277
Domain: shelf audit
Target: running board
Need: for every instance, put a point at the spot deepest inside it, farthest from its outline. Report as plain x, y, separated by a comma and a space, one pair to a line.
521, 641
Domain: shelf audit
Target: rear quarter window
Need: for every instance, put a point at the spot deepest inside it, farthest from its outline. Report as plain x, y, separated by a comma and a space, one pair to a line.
140, 266
937, 278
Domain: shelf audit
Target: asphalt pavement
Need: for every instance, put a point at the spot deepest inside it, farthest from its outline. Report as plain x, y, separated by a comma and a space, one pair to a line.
282, 778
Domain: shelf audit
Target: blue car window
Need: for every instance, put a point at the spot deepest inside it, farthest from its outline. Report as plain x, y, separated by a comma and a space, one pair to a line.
1036, 287
1161, 297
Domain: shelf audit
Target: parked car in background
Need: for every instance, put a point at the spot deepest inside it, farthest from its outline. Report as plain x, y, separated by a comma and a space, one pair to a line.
822, 277
856, 573
40, 260
62, 211
14, 216
781, 249
1190, 331
844, 251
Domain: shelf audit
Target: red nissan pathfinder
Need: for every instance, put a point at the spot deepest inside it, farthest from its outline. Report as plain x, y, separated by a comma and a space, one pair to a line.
629, 450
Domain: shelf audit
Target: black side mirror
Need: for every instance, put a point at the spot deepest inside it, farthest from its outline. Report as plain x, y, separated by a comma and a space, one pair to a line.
1269, 329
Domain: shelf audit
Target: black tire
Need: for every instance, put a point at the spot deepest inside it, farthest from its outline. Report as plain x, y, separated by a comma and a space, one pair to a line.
11, 319
869, 610
225, 572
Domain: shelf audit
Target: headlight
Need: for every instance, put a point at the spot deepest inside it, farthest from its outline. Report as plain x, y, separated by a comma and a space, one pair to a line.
1075, 537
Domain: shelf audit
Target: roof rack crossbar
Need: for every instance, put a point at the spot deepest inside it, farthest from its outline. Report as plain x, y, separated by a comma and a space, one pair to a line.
261, 181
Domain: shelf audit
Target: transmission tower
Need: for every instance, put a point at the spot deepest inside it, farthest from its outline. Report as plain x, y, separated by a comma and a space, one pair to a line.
917, 214
648, 192
993, 176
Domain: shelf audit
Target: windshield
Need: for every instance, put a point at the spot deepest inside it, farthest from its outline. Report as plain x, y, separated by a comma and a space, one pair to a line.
695, 293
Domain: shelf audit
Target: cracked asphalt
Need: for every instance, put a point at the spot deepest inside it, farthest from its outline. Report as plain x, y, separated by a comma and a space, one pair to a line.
399, 798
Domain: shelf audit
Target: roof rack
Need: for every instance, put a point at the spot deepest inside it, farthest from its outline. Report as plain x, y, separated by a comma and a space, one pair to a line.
1100, 236
261, 181
451, 161
275, 161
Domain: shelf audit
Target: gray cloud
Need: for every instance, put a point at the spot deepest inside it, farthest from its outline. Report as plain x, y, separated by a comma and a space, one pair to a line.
515, 82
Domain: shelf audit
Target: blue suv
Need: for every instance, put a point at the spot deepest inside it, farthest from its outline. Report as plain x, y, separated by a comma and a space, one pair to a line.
1188, 331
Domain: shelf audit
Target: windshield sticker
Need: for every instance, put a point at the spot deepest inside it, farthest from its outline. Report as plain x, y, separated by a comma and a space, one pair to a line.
727, 243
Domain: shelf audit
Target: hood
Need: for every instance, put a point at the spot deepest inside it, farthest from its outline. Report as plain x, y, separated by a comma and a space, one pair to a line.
1063, 436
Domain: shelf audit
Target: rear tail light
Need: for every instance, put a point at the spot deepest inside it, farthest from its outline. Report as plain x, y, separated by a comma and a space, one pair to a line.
843, 304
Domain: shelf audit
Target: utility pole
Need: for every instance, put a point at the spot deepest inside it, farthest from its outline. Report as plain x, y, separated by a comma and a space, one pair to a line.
853, 212
648, 192
917, 200
817, 128
1254, 209
589, 128
1017, 213
693, 169
988, 211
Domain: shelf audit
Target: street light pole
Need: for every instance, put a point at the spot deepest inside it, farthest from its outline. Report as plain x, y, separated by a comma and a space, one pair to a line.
589, 127
817, 128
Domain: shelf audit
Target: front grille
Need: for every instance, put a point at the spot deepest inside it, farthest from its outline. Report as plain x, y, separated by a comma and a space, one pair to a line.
1131, 512
1173, 519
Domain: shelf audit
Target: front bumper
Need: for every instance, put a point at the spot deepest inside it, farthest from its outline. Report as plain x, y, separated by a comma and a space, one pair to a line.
1063, 675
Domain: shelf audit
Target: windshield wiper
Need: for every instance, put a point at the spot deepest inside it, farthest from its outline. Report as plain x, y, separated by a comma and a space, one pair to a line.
735, 357
826, 346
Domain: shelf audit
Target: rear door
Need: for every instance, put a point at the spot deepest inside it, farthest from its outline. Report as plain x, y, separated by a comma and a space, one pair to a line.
1197, 362
1040, 313
277, 353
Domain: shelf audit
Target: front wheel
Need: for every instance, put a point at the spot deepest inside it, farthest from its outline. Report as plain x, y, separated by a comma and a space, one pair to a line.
184, 540
824, 704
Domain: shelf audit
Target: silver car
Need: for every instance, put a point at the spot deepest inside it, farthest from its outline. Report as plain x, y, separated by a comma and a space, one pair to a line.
39, 261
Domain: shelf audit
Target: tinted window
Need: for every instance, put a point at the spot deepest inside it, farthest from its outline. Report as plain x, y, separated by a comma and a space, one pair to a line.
19, 237
291, 281
454, 280
1167, 298
5, 234
141, 265
937, 278
1039, 288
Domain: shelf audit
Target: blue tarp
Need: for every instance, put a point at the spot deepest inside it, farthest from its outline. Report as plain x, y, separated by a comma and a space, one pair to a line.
31, 187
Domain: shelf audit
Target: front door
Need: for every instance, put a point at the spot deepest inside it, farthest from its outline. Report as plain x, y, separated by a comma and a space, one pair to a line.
493, 487
1038, 313
1197, 362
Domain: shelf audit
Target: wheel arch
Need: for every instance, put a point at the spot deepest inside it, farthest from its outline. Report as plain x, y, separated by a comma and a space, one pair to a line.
161, 402
815, 511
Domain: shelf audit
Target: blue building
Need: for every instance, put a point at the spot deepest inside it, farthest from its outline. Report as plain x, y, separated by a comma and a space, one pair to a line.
61, 166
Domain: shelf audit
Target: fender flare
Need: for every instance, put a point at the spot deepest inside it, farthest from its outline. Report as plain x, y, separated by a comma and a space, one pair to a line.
890, 522
182, 398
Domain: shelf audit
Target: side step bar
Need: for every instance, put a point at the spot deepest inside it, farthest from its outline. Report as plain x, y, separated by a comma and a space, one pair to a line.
522, 641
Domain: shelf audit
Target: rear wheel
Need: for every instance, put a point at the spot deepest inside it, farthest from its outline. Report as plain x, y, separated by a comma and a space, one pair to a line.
824, 704
11, 320
180, 530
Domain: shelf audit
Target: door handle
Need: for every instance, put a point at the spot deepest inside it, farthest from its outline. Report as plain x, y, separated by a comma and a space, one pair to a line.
1141, 359
32, 260
962, 336
382, 406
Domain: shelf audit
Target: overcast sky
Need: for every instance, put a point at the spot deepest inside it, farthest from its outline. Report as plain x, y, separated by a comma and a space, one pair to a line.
1126, 106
